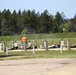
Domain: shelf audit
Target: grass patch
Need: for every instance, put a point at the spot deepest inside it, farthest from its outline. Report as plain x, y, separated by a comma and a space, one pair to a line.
38, 54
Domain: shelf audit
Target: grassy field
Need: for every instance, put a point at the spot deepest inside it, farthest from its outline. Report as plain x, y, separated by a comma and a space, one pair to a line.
37, 39
38, 54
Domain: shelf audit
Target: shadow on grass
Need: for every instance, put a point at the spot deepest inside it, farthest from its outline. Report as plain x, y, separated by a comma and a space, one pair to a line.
3, 56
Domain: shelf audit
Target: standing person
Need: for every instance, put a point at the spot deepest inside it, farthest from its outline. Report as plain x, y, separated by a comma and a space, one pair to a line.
24, 41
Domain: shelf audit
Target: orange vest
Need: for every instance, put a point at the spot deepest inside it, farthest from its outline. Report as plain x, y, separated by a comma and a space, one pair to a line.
24, 39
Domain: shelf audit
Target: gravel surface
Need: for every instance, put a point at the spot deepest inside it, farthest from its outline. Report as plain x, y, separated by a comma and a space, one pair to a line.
50, 66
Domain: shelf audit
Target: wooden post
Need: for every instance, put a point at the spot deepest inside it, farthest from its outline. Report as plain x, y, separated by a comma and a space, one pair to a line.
33, 50
61, 49
68, 44
4, 47
6, 50
61, 46
40, 46
46, 45
0, 47
24, 45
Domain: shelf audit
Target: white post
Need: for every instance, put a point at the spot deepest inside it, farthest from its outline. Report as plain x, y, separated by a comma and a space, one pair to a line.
6, 51
40, 46
0, 47
33, 50
46, 44
61, 46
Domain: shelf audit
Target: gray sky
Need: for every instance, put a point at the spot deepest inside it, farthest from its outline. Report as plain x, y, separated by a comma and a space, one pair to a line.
66, 6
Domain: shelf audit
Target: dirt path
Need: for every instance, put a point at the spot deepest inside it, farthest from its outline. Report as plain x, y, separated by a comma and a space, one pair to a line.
53, 66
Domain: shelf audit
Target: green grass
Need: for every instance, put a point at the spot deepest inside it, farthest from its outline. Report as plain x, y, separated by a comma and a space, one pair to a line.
51, 38
38, 54
38, 39
39, 36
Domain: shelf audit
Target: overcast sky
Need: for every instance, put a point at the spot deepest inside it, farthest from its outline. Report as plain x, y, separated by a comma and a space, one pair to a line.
66, 6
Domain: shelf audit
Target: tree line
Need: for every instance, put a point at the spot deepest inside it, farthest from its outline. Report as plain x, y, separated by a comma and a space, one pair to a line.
26, 21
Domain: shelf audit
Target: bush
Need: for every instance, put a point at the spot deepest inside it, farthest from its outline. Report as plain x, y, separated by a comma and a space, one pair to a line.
25, 31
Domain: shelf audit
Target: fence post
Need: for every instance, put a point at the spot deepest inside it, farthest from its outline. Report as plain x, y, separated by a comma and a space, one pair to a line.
46, 44
68, 44
6, 50
61, 46
33, 50
4, 47
0, 47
